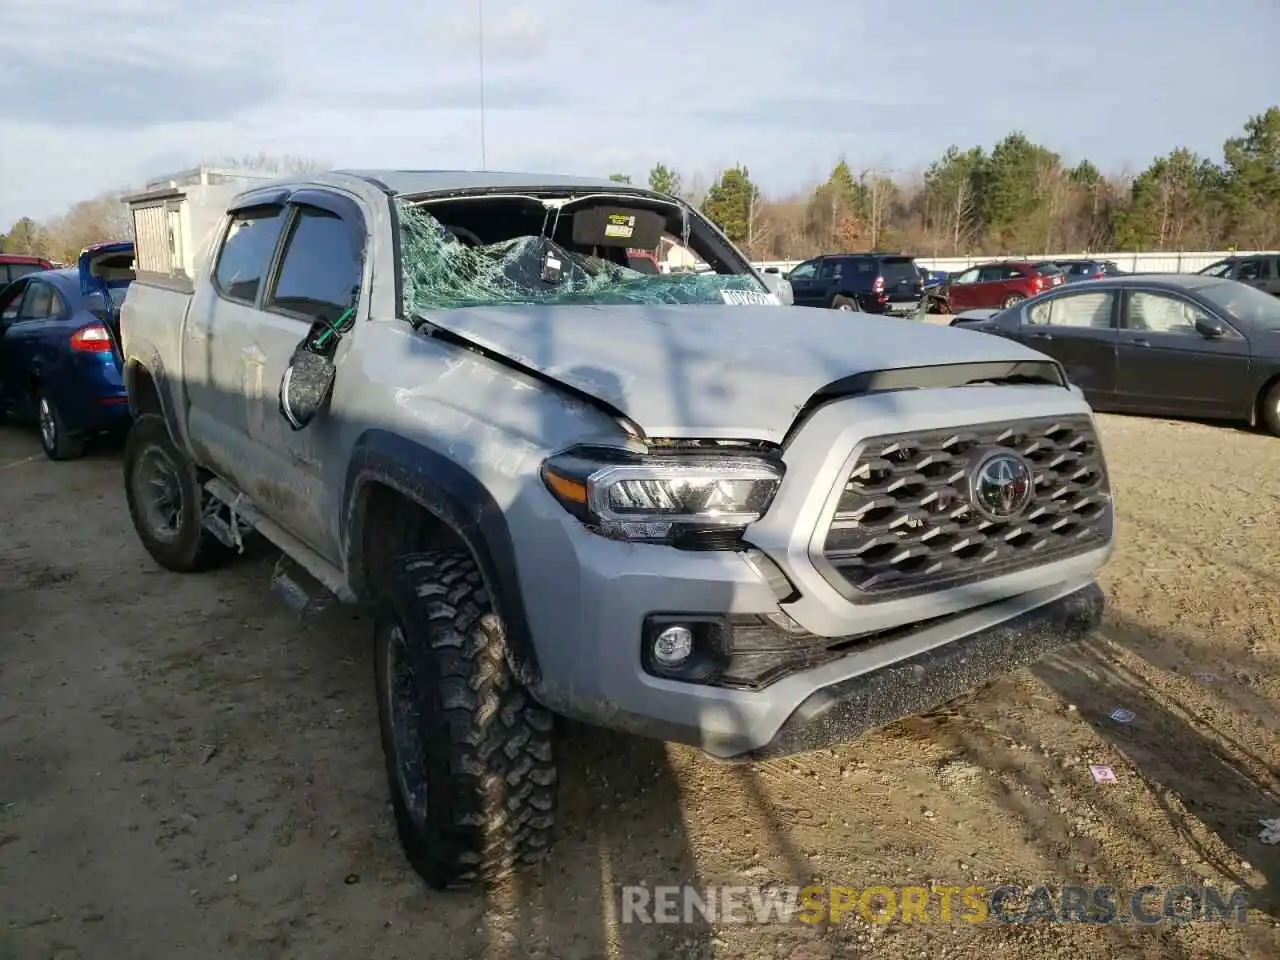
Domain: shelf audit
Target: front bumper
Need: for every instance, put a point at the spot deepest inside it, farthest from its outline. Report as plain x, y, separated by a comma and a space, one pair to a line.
849, 708
875, 682
590, 597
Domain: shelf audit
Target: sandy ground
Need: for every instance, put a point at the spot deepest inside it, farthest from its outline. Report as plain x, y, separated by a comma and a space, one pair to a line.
186, 771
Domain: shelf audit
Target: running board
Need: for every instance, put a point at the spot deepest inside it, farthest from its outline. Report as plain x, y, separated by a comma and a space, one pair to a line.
325, 573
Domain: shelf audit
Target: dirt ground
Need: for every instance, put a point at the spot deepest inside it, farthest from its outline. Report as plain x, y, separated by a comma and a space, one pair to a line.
188, 772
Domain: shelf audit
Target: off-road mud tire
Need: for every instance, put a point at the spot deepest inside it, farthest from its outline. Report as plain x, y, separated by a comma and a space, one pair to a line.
194, 548
1269, 410
485, 744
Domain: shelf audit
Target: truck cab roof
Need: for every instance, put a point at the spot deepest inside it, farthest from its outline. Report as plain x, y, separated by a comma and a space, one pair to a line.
408, 183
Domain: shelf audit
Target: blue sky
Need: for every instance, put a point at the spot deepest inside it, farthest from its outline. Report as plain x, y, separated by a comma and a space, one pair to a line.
91, 101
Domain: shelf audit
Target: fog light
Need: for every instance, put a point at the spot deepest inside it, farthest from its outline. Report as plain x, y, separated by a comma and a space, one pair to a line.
673, 646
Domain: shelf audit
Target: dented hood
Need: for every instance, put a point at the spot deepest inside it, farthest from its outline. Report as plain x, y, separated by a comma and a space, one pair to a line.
721, 371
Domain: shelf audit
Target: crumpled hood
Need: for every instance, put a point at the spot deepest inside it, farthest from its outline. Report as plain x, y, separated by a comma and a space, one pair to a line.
712, 370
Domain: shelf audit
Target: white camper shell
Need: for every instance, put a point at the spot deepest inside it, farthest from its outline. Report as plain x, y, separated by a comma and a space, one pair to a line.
176, 215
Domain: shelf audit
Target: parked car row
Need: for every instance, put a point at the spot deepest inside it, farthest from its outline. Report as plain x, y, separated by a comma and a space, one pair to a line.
1165, 344
896, 284
57, 363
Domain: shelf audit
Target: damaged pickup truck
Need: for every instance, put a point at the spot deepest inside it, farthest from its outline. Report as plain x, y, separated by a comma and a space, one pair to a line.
660, 503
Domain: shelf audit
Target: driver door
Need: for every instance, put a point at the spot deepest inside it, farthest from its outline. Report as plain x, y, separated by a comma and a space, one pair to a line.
318, 275
1167, 366
803, 288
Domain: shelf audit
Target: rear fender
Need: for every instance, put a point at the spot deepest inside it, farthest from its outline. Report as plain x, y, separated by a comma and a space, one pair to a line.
137, 373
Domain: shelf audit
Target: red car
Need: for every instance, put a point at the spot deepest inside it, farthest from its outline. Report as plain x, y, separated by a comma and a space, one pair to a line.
13, 266
646, 261
1001, 284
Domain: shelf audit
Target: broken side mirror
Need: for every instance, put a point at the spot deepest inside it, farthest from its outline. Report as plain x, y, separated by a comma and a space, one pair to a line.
305, 387
308, 379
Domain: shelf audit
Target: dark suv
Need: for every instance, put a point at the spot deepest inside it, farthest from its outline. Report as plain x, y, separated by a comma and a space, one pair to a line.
870, 282
1261, 271
1076, 270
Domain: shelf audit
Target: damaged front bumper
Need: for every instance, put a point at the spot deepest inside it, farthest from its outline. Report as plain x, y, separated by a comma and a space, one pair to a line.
847, 709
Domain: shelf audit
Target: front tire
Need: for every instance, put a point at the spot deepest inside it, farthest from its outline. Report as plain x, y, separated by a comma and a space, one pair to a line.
165, 499
468, 751
1269, 410
56, 443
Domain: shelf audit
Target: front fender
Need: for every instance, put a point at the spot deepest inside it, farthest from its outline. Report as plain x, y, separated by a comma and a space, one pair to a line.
459, 500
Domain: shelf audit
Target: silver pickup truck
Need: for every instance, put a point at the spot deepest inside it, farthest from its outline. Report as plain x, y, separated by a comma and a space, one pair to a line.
660, 503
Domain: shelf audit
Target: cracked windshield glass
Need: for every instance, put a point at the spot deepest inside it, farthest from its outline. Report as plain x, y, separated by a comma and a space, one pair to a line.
447, 265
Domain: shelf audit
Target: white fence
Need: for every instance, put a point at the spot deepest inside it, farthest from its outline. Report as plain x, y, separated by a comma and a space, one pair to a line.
1158, 262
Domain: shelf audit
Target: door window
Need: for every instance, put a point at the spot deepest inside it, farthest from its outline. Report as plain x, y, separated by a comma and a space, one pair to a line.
1254, 270
246, 252
831, 270
1088, 310
803, 272
320, 274
991, 274
1161, 313
969, 276
38, 304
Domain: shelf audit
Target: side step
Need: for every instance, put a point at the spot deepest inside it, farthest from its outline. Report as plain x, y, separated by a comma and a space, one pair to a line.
306, 571
304, 594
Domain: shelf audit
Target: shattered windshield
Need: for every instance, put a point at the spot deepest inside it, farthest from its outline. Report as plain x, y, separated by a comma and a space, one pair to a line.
446, 267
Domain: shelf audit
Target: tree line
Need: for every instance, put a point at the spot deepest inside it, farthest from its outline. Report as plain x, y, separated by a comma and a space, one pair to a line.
1018, 198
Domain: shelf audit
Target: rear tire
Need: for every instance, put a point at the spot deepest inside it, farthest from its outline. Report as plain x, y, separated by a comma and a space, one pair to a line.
1269, 410
56, 443
846, 303
166, 500
468, 751
1013, 300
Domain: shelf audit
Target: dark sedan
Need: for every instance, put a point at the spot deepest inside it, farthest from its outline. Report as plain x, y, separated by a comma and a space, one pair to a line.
1174, 344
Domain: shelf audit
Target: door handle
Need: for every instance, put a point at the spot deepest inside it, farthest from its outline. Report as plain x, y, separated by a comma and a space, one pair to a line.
1042, 336
1140, 342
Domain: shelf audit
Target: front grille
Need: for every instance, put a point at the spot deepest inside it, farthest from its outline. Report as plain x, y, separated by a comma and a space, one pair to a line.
906, 522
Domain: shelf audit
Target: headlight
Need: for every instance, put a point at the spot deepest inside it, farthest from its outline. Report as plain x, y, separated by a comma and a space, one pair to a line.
662, 499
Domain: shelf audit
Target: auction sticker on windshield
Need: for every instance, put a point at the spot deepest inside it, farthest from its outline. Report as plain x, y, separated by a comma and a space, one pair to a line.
745, 298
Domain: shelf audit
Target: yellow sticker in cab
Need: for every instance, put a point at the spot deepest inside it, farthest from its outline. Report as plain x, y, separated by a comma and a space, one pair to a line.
620, 225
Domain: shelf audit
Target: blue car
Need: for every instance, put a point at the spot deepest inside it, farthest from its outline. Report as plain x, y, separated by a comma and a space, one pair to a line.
58, 349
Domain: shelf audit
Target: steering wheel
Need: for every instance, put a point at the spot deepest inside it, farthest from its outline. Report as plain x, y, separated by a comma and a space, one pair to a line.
464, 236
